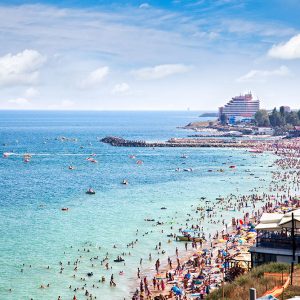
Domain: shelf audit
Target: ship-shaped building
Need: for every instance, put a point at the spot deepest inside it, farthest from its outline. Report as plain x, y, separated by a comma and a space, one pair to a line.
240, 106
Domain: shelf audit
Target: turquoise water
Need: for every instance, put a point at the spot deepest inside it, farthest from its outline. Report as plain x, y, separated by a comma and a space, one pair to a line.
35, 232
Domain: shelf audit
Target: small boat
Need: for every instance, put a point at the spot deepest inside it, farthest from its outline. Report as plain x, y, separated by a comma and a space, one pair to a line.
186, 238
65, 209
232, 167
119, 259
256, 151
188, 170
209, 209
125, 182
26, 157
90, 191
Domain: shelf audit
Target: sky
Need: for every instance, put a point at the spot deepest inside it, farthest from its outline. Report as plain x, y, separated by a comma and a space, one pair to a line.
148, 55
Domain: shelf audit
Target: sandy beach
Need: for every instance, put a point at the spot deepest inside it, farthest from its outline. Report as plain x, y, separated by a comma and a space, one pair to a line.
195, 273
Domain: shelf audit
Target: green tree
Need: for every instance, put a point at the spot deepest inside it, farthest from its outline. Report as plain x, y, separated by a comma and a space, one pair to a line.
223, 119
292, 118
276, 119
262, 118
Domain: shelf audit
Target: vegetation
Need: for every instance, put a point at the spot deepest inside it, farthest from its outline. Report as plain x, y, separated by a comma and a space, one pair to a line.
239, 288
291, 292
223, 119
209, 115
233, 273
277, 118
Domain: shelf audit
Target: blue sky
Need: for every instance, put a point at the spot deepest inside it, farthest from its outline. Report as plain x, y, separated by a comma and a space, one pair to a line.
148, 55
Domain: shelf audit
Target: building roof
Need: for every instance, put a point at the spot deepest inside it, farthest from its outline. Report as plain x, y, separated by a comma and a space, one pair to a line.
275, 221
267, 226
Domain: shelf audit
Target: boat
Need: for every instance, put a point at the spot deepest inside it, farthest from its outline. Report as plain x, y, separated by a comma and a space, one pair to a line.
256, 151
187, 238
119, 259
65, 209
90, 191
188, 170
26, 157
90, 159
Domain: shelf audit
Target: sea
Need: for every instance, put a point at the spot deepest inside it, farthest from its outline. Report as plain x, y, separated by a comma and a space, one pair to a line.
38, 238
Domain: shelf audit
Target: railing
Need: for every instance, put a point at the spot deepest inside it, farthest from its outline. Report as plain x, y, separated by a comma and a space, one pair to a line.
277, 242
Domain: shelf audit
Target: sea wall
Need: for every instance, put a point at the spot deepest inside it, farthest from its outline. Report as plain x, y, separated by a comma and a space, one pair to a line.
178, 142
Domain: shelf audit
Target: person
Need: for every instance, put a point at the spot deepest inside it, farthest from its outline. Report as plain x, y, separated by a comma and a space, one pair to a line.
154, 282
162, 285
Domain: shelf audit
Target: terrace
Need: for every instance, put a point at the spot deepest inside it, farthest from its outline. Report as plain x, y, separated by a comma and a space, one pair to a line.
278, 238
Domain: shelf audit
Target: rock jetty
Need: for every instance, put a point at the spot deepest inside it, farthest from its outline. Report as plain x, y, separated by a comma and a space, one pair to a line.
179, 142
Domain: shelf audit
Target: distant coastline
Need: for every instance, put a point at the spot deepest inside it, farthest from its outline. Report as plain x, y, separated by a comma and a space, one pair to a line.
209, 115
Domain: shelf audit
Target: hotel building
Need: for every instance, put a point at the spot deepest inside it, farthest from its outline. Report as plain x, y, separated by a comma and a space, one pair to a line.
240, 106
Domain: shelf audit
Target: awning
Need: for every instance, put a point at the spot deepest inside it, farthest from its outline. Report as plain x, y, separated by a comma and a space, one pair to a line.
271, 217
267, 226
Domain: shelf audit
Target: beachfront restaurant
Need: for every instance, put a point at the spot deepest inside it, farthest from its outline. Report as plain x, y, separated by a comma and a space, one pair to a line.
278, 239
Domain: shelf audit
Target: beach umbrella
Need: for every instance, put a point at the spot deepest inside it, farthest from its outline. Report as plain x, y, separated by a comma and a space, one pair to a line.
176, 290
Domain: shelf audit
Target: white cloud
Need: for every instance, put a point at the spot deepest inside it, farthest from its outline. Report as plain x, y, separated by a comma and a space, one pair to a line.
31, 92
121, 88
20, 101
95, 77
160, 71
22, 68
288, 50
262, 75
145, 5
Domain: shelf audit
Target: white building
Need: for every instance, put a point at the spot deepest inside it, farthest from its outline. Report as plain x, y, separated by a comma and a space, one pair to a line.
240, 106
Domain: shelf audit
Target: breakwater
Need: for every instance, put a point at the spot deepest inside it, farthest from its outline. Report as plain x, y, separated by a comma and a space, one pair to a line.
179, 142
